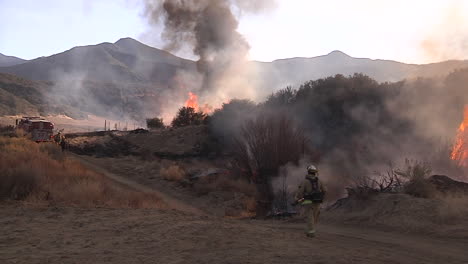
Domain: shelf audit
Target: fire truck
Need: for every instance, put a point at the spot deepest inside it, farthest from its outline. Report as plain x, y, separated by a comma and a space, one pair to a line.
40, 129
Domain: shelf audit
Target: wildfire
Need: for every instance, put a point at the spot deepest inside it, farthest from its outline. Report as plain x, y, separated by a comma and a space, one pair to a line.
460, 149
192, 102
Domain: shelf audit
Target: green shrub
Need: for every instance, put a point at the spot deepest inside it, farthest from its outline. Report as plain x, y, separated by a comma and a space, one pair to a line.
188, 116
154, 123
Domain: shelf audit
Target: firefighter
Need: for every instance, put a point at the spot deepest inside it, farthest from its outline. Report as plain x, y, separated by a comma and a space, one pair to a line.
63, 143
310, 195
58, 138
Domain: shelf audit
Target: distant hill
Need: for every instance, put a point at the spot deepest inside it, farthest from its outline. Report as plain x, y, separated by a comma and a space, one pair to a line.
6, 61
294, 71
132, 79
126, 60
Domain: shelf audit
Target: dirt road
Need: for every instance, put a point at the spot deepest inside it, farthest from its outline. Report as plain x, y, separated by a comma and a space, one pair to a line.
72, 235
67, 235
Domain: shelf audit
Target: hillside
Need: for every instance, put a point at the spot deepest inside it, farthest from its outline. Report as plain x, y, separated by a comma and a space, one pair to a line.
6, 61
20, 96
126, 60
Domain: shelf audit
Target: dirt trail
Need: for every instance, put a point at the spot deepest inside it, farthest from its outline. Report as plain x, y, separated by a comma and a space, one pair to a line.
72, 235
171, 201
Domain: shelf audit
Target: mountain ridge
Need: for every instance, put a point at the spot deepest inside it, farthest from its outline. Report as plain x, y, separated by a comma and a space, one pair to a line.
6, 60
128, 60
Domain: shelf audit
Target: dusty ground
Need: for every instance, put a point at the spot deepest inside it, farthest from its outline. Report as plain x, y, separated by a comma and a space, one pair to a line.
69, 235
191, 234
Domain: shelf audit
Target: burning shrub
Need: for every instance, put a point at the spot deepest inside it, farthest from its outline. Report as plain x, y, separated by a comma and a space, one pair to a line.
187, 116
154, 123
173, 173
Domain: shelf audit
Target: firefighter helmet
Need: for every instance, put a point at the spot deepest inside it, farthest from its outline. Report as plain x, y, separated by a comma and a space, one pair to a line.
312, 169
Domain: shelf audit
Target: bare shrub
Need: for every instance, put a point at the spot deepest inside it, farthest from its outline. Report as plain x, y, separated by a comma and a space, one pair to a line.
173, 173
364, 187
266, 144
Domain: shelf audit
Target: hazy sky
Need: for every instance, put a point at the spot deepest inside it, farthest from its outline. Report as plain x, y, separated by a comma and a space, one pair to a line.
414, 31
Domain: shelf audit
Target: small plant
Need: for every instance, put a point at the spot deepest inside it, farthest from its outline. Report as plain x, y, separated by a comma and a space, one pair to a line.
173, 173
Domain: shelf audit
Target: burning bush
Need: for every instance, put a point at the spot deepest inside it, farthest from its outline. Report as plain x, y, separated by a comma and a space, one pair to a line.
187, 116
29, 171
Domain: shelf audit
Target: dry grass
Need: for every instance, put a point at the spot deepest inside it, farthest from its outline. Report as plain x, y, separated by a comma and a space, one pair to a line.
40, 174
224, 184
242, 204
173, 173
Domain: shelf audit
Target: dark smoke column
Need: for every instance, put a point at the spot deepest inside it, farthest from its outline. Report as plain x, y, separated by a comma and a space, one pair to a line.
210, 29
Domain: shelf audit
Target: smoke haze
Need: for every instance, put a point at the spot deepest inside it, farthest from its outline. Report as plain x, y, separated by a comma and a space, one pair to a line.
448, 39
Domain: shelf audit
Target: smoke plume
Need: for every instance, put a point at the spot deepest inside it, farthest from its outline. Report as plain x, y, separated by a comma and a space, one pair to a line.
209, 28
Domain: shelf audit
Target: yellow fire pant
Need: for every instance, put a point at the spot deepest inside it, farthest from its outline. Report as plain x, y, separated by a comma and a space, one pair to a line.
312, 212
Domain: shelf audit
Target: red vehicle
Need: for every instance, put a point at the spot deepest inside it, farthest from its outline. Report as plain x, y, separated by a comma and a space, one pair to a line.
40, 129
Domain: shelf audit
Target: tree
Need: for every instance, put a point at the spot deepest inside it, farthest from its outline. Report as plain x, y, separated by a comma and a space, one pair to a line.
154, 123
187, 116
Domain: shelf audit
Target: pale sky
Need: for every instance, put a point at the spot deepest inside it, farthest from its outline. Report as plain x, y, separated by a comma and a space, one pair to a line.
412, 31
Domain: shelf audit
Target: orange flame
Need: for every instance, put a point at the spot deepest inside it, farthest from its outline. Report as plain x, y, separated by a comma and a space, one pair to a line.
460, 149
192, 101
